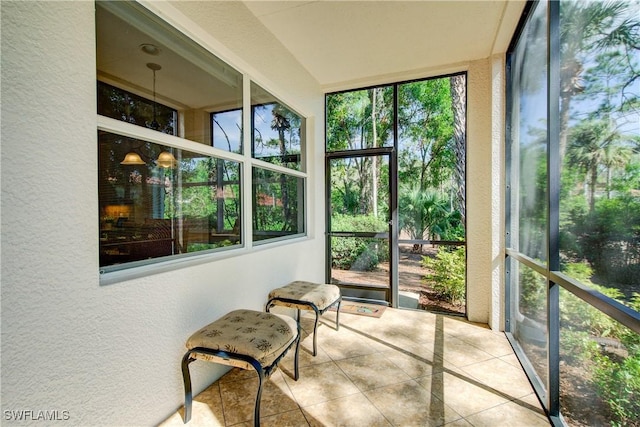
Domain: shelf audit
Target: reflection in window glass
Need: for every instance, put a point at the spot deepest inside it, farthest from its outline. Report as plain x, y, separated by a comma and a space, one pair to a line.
122, 105
599, 366
157, 201
600, 130
278, 132
227, 130
278, 205
529, 316
529, 150
145, 56
360, 119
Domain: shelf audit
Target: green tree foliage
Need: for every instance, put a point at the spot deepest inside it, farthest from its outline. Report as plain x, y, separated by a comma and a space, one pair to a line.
609, 238
594, 146
427, 215
426, 127
600, 116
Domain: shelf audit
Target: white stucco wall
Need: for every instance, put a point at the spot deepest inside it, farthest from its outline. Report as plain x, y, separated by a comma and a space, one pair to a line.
485, 192
109, 355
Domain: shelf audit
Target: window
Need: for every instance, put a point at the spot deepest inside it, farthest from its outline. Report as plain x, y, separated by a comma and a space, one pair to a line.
278, 204
395, 173
172, 164
573, 212
169, 202
277, 140
277, 131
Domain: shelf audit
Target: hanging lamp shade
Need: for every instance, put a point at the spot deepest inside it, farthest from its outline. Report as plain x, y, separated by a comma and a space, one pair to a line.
166, 160
132, 158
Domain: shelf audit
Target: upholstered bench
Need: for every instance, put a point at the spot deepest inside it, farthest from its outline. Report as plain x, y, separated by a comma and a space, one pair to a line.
307, 296
244, 339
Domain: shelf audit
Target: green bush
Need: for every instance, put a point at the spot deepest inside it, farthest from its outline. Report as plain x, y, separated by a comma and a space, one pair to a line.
618, 384
609, 238
358, 253
448, 277
533, 293
615, 375
574, 313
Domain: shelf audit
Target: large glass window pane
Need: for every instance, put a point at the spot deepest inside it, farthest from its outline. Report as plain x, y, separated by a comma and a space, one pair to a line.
529, 316
431, 193
529, 138
278, 205
599, 366
599, 149
145, 56
360, 119
156, 201
278, 131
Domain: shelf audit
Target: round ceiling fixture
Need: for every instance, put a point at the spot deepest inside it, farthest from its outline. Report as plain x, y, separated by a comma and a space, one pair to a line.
150, 49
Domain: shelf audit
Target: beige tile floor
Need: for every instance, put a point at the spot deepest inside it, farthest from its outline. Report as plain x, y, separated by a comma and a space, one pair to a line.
406, 368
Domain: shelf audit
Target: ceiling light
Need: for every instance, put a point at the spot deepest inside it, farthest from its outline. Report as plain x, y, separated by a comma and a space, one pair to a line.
150, 49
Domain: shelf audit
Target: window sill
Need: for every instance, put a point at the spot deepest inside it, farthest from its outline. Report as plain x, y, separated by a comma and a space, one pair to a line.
156, 266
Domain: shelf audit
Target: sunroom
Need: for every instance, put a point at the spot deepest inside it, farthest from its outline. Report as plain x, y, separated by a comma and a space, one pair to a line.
167, 162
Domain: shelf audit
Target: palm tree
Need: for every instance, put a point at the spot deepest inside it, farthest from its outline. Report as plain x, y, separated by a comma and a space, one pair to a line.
422, 212
594, 145
587, 27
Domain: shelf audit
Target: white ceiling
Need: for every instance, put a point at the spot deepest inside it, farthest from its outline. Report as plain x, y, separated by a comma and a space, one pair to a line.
354, 41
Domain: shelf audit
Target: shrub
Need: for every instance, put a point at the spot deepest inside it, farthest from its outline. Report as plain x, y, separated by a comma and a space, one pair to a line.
358, 253
575, 313
616, 378
448, 277
618, 383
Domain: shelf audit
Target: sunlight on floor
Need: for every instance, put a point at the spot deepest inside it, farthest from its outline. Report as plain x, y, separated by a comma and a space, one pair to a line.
406, 368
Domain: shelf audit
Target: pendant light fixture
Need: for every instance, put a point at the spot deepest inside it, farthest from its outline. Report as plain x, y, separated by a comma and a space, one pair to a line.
154, 67
132, 158
166, 160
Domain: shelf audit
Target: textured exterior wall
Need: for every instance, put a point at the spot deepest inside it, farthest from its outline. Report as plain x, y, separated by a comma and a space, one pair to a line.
478, 192
485, 192
109, 355
498, 113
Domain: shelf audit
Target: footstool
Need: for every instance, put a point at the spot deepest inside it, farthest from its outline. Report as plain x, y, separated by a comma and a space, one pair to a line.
243, 339
307, 296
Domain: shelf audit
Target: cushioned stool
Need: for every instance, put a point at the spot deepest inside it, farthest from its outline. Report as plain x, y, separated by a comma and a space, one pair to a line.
307, 296
244, 339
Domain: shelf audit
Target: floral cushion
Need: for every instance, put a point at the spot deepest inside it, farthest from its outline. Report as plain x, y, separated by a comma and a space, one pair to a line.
262, 336
321, 295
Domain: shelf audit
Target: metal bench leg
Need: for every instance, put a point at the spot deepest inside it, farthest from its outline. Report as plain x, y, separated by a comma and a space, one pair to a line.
295, 360
256, 411
315, 327
187, 386
338, 314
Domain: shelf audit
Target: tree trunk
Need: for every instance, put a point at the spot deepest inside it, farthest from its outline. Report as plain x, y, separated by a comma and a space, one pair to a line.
458, 102
374, 162
592, 190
